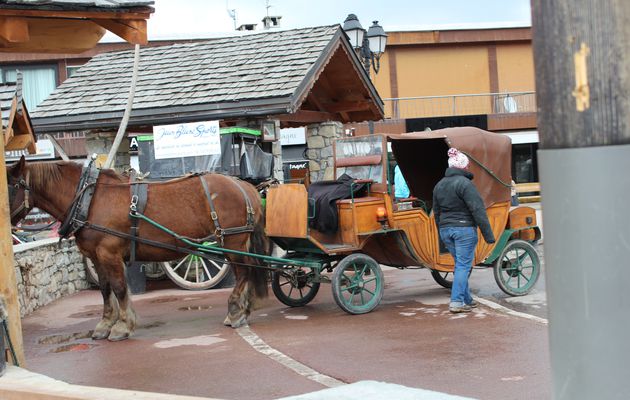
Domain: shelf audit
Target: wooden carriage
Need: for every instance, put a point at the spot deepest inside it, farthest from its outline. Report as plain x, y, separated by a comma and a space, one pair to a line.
376, 229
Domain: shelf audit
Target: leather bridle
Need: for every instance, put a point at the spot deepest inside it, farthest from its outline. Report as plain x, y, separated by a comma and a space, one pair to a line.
22, 183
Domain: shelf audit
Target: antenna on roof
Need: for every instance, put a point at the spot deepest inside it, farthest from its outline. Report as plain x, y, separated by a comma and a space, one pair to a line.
267, 6
231, 12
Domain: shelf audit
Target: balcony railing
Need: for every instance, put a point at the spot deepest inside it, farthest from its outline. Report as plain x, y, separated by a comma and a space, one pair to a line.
460, 104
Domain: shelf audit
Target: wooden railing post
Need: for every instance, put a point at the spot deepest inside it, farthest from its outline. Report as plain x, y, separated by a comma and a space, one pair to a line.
8, 283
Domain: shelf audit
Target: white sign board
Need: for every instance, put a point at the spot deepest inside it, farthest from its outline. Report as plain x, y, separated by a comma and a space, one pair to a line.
290, 136
186, 140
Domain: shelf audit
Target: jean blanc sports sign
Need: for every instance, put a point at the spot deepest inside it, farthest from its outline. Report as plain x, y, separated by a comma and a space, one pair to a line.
186, 140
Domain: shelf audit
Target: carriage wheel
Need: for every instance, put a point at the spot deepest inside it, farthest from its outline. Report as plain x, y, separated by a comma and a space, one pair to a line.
294, 287
444, 279
196, 273
517, 269
357, 284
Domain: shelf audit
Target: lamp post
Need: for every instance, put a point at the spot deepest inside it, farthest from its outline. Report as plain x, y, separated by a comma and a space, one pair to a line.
369, 45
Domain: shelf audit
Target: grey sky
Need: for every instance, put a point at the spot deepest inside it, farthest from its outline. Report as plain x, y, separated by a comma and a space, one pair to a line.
206, 18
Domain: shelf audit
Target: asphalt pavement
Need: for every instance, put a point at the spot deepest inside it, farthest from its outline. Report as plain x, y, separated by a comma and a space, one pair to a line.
409, 347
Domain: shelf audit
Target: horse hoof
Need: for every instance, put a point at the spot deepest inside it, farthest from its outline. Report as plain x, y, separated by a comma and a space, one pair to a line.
100, 335
119, 332
239, 322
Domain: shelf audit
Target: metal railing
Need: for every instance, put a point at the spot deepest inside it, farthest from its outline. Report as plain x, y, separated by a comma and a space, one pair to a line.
460, 104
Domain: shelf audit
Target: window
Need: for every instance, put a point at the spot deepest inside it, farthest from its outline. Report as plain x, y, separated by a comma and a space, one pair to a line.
37, 81
525, 162
72, 69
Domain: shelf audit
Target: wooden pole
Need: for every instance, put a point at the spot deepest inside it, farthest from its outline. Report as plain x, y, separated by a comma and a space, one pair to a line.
582, 69
8, 282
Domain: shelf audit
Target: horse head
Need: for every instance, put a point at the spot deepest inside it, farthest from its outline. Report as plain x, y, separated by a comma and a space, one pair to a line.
18, 178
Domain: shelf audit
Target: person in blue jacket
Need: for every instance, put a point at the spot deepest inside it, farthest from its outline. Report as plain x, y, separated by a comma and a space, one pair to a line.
459, 210
401, 191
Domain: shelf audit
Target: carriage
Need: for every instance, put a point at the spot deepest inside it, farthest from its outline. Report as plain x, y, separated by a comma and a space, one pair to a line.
373, 229
221, 218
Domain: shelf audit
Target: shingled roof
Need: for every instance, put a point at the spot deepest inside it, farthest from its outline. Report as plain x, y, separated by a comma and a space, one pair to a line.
76, 5
257, 75
16, 123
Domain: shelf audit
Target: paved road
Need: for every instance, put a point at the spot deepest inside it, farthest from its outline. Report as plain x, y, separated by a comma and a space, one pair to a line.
411, 339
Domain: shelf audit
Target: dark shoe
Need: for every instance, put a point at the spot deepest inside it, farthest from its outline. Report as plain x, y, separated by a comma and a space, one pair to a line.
473, 304
460, 309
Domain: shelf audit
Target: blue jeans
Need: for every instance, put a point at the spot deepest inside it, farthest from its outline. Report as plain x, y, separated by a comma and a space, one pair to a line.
460, 242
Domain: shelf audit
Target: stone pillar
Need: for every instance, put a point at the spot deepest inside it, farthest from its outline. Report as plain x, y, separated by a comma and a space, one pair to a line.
101, 143
319, 140
276, 150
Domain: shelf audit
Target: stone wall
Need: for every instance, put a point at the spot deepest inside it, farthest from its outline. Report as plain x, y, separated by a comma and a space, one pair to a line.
319, 140
46, 272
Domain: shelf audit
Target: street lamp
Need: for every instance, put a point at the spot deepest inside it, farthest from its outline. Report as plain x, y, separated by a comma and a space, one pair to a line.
369, 47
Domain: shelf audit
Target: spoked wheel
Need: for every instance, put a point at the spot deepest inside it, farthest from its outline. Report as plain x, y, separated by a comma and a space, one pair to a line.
154, 271
294, 287
357, 284
196, 273
518, 268
444, 279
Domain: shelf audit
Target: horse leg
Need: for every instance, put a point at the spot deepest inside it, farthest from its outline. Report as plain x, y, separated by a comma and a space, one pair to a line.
110, 312
126, 323
110, 305
239, 302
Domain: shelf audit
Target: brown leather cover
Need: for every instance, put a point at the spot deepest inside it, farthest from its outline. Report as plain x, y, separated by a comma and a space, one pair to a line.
423, 158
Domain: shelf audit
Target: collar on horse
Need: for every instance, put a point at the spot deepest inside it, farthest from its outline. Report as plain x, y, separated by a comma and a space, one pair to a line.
80, 207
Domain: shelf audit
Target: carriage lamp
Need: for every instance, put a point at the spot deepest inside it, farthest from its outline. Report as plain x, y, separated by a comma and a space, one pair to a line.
381, 217
369, 45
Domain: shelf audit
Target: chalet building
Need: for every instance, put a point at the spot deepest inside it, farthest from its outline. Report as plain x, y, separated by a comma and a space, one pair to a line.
428, 79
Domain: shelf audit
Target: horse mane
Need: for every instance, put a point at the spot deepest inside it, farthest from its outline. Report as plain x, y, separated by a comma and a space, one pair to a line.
45, 176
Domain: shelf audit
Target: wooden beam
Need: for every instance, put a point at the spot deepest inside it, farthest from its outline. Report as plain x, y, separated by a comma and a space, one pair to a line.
8, 281
133, 31
8, 134
309, 117
143, 13
20, 142
14, 30
347, 106
57, 36
312, 98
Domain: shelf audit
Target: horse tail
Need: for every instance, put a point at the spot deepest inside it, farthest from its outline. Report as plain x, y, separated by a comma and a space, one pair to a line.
259, 243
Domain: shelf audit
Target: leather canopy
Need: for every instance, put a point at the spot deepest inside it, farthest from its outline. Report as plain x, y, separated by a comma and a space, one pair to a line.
423, 159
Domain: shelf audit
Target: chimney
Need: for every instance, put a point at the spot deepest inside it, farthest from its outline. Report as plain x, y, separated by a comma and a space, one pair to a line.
247, 27
271, 22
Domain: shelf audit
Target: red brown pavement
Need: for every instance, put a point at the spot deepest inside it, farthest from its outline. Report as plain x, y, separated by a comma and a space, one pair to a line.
182, 347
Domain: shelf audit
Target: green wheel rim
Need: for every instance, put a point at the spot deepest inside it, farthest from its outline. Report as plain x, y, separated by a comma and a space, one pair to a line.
358, 284
518, 268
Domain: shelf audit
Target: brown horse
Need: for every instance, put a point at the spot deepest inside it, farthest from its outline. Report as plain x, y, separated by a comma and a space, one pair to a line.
181, 205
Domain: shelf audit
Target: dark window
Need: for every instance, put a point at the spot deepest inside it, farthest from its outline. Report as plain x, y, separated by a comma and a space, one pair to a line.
525, 162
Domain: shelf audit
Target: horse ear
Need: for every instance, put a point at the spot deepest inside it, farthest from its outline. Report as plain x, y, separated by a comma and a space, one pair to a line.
16, 170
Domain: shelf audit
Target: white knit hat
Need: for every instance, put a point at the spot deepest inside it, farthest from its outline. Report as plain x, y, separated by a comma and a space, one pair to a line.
457, 159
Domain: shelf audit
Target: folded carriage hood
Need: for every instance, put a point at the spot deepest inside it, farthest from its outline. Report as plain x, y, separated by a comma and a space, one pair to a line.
423, 158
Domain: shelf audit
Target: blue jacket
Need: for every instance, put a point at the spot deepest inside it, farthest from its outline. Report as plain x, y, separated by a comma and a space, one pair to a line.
401, 189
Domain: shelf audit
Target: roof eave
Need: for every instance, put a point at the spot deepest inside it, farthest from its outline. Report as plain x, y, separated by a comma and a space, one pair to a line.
165, 115
309, 80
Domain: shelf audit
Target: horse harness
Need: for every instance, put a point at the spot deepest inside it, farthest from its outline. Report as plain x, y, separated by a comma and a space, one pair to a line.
139, 197
80, 206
